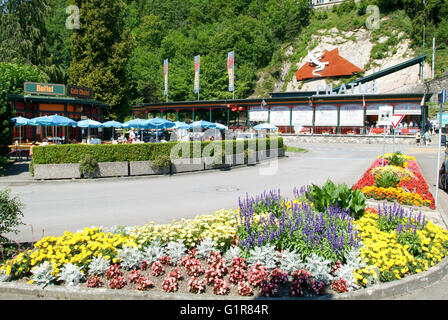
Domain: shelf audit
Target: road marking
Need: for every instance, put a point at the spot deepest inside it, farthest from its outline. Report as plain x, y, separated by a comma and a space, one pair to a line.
422, 150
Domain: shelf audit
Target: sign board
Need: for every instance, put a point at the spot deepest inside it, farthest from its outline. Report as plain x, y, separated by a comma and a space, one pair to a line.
385, 116
258, 114
280, 116
396, 119
408, 108
302, 115
44, 88
326, 115
352, 115
79, 92
372, 109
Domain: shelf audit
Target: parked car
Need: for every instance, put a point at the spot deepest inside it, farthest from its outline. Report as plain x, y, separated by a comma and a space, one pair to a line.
443, 172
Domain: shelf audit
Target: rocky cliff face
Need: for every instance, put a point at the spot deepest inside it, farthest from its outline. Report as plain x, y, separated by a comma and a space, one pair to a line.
356, 46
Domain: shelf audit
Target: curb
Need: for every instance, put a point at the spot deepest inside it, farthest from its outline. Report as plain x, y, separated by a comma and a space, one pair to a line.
375, 292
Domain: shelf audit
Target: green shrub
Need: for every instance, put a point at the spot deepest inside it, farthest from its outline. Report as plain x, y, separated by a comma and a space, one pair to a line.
341, 196
161, 162
88, 165
412, 240
396, 159
10, 214
387, 180
72, 153
31, 168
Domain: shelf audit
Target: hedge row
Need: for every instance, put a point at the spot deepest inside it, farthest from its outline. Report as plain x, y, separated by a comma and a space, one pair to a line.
72, 153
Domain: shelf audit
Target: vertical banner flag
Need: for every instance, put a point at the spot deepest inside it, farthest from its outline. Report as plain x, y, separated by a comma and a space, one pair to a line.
165, 75
231, 69
422, 103
196, 73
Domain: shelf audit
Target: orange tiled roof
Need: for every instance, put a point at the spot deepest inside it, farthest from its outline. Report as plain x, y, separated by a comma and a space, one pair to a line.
337, 67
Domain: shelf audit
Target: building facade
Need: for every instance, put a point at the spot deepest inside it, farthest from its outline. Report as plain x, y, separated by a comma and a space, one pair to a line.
35, 104
298, 112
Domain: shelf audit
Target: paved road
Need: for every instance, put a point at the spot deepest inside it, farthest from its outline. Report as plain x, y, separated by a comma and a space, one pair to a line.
53, 207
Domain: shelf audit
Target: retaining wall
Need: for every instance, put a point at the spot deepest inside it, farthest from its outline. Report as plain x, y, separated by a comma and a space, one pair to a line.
361, 139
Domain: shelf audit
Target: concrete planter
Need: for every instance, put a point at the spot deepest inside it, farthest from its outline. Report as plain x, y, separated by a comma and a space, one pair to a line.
276, 153
238, 159
208, 163
112, 169
262, 155
141, 168
187, 165
56, 171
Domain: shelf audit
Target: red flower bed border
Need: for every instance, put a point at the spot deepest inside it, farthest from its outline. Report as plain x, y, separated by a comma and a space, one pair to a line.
417, 185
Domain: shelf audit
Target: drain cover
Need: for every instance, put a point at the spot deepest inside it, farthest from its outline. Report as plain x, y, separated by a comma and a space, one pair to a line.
227, 189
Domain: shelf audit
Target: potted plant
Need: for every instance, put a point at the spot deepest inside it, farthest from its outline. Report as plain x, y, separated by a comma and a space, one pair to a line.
88, 166
162, 164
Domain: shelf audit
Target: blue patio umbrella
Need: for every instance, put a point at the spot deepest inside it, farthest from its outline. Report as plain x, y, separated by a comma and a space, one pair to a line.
113, 124
159, 123
202, 124
53, 121
221, 126
181, 125
89, 123
265, 126
136, 123
19, 122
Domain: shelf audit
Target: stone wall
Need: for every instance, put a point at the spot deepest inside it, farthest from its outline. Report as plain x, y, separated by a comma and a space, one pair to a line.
436, 86
361, 139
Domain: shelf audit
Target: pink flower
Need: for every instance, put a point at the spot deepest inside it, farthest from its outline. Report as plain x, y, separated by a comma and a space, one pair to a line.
170, 284
157, 269
244, 288
196, 285
221, 287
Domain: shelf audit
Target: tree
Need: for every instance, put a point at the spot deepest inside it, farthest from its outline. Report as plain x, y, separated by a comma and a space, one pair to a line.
100, 51
12, 78
10, 214
286, 18
23, 35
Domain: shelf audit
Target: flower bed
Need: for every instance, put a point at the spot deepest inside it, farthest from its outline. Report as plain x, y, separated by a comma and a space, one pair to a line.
269, 246
400, 180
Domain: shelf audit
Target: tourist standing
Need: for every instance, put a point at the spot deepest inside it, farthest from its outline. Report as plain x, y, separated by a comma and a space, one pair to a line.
132, 135
426, 138
418, 137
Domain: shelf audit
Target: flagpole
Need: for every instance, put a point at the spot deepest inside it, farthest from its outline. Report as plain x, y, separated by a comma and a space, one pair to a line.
233, 75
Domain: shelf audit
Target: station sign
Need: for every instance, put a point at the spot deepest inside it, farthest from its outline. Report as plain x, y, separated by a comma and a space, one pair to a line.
385, 115
79, 92
44, 88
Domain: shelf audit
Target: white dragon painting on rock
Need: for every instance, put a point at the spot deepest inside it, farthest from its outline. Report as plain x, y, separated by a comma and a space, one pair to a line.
314, 57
